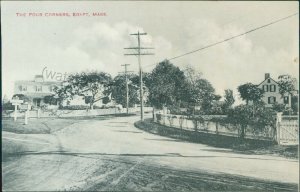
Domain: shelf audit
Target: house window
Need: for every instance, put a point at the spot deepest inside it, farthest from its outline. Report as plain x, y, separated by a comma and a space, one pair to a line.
286, 100
271, 100
23, 88
265, 88
272, 88
38, 88
269, 81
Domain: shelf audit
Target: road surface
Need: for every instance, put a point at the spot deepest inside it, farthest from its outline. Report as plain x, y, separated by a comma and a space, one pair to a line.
112, 154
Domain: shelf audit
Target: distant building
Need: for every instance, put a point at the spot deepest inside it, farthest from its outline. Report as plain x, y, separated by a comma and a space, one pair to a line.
271, 92
35, 90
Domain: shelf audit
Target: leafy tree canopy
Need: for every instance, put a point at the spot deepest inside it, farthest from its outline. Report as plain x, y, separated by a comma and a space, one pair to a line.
166, 85
250, 92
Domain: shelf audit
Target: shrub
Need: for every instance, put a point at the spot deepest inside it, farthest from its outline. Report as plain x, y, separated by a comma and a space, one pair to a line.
197, 120
158, 117
7, 106
278, 107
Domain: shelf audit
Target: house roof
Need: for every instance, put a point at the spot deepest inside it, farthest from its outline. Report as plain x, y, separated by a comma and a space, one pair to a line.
36, 95
267, 79
38, 83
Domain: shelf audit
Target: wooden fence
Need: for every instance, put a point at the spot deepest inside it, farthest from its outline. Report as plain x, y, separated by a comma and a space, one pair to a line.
287, 130
208, 126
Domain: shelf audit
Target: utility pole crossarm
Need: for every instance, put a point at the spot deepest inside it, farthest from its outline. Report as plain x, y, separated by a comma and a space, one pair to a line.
139, 54
139, 48
138, 33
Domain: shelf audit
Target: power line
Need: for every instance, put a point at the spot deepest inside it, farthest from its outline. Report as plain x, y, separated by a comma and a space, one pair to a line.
219, 42
228, 39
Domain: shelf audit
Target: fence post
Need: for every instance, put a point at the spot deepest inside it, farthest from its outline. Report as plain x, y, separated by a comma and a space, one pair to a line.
278, 121
164, 114
26, 117
38, 113
154, 115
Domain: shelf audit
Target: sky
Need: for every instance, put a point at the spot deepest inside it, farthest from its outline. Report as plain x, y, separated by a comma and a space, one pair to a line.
35, 45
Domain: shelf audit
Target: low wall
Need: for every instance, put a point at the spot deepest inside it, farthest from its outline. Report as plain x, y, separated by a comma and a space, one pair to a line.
182, 122
72, 113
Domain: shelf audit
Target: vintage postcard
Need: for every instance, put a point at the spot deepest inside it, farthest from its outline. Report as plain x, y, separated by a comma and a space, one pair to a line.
150, 95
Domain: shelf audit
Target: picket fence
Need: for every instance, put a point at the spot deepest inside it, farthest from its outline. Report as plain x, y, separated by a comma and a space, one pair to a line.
286, 131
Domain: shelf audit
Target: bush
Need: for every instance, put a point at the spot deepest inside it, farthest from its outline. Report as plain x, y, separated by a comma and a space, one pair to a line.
197, 120
278, 107
158, 117
8, 106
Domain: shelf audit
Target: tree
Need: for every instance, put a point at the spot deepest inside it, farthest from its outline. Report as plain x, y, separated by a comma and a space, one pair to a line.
287, 84
204, 95
50, 99
199, 92
242, 115
64, 92
250, 92
119, 89
294, 102
229, 100
94, 84
166, 85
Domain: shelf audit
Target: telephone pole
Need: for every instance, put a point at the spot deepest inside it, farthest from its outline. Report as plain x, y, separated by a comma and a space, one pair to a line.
139, 53
127, 90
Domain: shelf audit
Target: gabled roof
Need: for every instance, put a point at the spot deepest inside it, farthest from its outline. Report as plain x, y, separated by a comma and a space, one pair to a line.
267, 79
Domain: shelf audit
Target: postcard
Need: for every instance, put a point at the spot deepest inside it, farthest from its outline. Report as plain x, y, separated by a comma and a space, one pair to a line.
150, 95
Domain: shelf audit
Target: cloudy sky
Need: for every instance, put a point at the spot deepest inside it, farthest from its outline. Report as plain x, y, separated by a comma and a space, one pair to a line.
85, 43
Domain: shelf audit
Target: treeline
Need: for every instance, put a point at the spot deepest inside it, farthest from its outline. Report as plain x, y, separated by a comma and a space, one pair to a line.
181, 91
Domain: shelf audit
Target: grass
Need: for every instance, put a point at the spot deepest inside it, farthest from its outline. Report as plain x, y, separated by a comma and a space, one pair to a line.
246, 146
35, 126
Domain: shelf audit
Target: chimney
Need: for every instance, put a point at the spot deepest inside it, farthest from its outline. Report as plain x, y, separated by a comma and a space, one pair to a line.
267, 75
38, 78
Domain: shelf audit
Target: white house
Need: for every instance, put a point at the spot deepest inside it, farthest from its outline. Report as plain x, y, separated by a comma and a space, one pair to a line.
271, 92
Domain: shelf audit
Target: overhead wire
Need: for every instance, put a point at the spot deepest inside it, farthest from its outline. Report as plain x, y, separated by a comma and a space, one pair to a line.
228, 39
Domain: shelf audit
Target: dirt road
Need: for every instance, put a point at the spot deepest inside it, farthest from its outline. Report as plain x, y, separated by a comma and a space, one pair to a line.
111, 154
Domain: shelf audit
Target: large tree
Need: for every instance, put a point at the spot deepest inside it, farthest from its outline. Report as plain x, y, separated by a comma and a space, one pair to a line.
287, 84
250, 92
203, 94
166, 85
119, 90
199, 91
94, 85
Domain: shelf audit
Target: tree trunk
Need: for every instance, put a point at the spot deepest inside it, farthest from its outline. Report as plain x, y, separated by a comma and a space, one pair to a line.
242, 134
